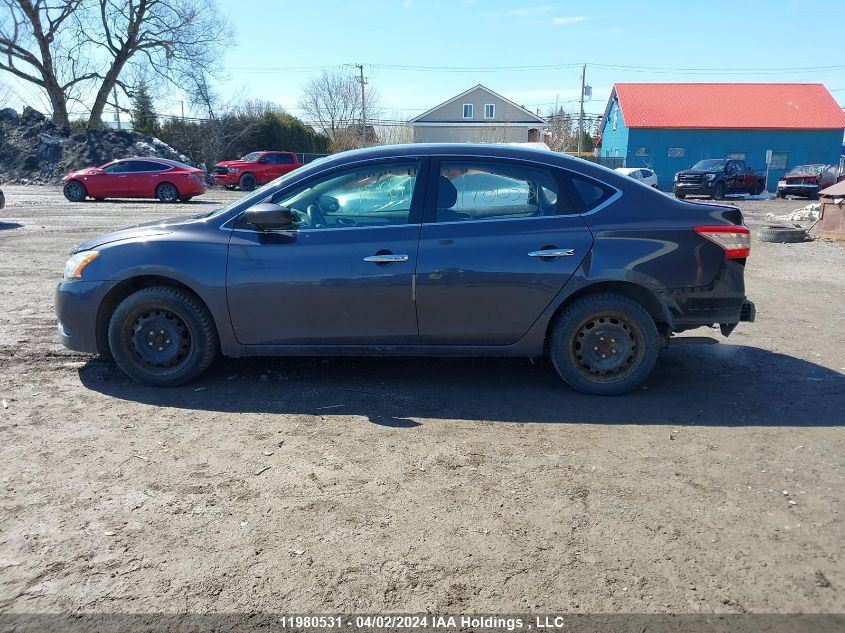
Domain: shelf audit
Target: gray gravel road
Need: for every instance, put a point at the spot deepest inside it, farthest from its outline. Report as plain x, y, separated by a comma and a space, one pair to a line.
408, 485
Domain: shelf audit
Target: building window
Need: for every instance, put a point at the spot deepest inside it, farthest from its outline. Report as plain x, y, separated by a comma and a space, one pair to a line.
489, 110
777, 160
615, 117
642, 151
467, 110
676, 152
737, 155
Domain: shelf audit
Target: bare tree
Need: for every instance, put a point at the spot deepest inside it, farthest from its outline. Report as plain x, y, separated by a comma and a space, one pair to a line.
332, 103
59, 45
36, 46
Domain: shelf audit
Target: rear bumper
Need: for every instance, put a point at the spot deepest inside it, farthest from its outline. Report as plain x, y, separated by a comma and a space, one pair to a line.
77, 304
722, 302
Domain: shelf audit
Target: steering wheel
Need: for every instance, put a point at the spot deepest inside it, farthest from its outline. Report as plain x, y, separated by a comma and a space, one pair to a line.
316, 218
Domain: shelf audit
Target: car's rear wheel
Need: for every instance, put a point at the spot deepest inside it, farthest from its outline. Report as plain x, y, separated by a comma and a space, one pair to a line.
247, 182
167, 192
719, 192
162, 336
75, 191
604, 344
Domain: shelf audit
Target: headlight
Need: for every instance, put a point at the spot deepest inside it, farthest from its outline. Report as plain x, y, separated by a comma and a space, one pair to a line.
709, 177
231, 169
676, 176
77, 263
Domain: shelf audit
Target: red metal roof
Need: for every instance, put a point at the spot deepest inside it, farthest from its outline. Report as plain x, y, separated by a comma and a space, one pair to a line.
725, 106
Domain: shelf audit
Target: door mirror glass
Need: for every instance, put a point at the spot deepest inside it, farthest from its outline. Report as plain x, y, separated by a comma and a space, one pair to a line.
268, 216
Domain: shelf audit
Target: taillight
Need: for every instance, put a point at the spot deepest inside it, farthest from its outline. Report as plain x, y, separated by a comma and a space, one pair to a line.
736, 240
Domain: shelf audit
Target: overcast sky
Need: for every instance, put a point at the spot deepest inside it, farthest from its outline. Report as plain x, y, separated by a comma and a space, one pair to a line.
281, 43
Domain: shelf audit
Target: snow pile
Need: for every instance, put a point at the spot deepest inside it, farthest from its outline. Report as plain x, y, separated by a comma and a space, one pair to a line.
35, 150
810, 213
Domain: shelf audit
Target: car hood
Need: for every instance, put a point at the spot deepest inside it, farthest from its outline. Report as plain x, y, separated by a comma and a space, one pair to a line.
235, 163
696, 172
148, 229
87, 171
802, 175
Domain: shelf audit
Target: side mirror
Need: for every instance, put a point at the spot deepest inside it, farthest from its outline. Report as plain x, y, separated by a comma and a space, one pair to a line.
268, 216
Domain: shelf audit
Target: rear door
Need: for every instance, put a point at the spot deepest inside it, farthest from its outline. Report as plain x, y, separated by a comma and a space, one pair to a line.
499, 241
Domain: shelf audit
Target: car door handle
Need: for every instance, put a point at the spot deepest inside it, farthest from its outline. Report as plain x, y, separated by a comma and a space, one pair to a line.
553, 252
386, 259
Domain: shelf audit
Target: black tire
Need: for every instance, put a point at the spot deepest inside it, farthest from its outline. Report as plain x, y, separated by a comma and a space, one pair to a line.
167, 192
247, 182
813, 196
75, 191
179, 345
719, 191
780, 194
782, 234
680, 196
606, 320
230, 187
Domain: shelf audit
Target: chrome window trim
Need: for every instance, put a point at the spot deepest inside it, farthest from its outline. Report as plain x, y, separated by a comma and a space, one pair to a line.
164, 165
613, 198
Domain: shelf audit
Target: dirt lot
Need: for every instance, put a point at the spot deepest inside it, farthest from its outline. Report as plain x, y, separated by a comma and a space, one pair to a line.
409, 485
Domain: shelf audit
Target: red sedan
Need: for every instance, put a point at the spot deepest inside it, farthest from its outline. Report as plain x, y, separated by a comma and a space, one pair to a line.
167, 180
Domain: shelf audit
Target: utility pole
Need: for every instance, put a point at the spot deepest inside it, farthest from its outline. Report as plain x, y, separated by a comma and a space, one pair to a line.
581, 115
116, 107
183, 109
363, 82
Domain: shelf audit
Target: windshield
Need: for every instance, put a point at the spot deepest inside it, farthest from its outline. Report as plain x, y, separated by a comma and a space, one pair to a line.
807, 169
262, 192
711, 164
251, 157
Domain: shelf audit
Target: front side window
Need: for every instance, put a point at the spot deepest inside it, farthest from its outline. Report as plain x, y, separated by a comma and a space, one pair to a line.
470, 191
375, 195
489, 110
467, 110
117, 168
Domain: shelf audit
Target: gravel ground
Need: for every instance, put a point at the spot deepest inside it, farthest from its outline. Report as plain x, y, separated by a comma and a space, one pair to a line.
328, 485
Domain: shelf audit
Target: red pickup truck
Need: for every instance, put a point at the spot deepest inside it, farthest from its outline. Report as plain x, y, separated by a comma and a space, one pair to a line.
256, 168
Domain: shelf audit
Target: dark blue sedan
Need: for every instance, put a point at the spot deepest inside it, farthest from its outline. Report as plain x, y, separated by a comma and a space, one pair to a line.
423, 250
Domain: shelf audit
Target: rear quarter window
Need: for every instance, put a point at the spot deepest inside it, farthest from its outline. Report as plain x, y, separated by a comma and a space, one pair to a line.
587, 193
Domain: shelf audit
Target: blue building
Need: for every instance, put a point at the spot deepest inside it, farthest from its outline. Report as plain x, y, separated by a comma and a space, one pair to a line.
669, 127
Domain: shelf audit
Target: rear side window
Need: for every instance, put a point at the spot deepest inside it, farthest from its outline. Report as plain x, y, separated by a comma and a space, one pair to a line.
284, 159
145, 165
589, 193
470, 190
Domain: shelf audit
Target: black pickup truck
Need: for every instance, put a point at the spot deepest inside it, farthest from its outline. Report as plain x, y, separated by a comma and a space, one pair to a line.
717, 178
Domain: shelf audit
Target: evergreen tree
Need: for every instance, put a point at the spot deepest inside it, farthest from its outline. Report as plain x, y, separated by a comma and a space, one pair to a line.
144, 118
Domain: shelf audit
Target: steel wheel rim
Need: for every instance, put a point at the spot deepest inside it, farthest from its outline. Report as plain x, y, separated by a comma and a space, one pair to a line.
159, 339
607, 347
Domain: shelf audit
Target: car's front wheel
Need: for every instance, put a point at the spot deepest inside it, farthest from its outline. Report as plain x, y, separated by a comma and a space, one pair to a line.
719, 192
247, 182
75, 191
167, 192
604, 344
162, 336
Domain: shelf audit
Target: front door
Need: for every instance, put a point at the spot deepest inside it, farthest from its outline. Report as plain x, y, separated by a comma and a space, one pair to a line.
343, 275
498, 244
